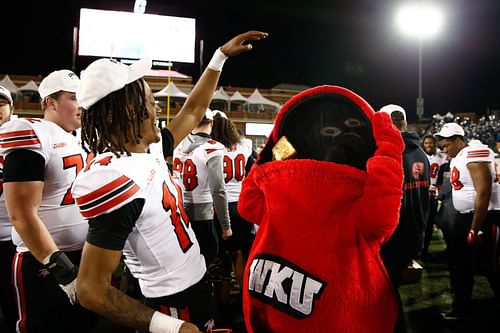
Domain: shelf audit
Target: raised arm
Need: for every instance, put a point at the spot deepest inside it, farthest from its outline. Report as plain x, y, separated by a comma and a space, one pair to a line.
198, 100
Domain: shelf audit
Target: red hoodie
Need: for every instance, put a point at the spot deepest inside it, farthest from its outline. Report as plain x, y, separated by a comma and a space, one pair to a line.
315, 264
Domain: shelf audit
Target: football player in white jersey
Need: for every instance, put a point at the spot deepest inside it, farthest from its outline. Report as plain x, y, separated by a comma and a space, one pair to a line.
41, 160
7, 248
476, 197
198, 167
132, 202
236, 154
436, 160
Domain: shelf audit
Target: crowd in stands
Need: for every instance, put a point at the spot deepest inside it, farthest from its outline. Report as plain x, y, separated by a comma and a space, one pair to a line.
486, 129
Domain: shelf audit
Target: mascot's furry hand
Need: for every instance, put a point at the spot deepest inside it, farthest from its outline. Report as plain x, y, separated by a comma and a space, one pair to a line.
388, 138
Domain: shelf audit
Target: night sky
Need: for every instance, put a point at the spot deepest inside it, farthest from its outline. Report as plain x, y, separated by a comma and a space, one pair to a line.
354, 44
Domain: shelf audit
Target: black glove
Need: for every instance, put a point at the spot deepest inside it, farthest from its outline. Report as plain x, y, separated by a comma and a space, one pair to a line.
61, 268
64, 272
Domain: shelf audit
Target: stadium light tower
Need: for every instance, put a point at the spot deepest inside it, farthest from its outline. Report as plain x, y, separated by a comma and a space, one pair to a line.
420, 20
140, 6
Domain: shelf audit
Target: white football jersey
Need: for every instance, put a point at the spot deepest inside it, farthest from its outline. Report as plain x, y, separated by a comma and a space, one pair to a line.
435, 162
190, 170
64, 158
162, 251
235, 160
461, 181
5, 225
497, 166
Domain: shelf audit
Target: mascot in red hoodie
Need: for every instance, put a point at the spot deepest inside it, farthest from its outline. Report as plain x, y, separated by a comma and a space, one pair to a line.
326, 192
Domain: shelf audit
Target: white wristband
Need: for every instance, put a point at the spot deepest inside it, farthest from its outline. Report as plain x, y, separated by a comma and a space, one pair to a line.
161, 323
217, 60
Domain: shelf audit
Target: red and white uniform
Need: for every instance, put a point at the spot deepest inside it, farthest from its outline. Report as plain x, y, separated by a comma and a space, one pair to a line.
198, 167
5, 225
435, 161
64, 158
235, 159
463, 189
194, 177
162, 251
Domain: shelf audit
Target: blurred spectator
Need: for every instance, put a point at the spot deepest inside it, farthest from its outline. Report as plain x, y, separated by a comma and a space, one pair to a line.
436, 160
486, 129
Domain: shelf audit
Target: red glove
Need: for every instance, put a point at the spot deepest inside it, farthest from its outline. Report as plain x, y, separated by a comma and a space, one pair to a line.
474, 237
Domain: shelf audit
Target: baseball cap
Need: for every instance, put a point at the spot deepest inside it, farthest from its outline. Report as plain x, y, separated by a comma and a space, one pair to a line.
104, 76
220, 113
209, 115
61, 80
390, 108
4, 92
450, 129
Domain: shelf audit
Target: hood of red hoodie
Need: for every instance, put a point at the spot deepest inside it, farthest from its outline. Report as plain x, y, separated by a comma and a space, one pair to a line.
325, 123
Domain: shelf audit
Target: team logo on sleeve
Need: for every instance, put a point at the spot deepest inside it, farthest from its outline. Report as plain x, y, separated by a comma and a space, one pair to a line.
284, 285
417, 170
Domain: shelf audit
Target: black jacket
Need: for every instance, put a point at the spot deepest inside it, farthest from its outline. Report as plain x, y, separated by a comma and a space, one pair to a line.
407, 240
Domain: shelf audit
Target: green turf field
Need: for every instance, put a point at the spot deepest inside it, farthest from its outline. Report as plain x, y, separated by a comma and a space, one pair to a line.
423, 301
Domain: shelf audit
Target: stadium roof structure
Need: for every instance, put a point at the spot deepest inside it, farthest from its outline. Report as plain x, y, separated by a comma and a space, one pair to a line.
237, 97
29, 86
7, 83
220, 94
170, 90
257, 98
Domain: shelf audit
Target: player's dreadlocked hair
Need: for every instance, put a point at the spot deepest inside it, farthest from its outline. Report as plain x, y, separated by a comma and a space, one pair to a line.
224, 131
115, 120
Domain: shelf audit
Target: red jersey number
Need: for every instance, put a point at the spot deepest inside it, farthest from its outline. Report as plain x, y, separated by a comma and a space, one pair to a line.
234, 168
434, 169
178, 217
455, 179
188, 173
71, 161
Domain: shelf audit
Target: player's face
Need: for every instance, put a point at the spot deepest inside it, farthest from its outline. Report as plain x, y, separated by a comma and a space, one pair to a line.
429, 146
68, 111
149, 130
4, 111
451, 146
